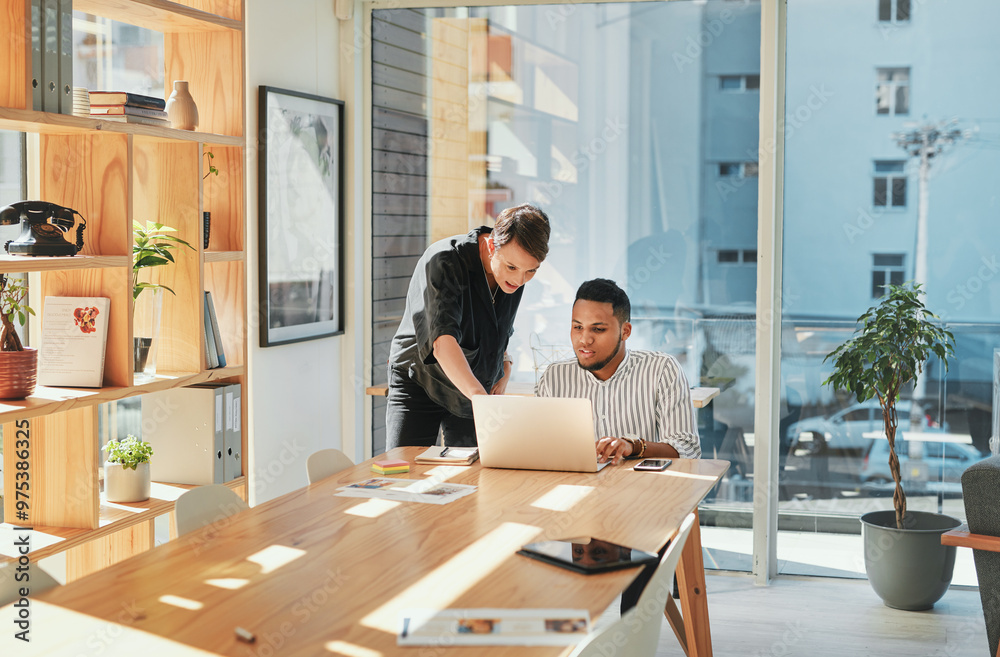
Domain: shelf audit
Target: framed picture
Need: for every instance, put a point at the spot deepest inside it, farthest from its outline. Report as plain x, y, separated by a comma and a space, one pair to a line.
301, 216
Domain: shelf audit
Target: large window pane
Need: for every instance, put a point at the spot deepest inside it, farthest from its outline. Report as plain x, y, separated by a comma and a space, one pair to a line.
843, 244
635, 127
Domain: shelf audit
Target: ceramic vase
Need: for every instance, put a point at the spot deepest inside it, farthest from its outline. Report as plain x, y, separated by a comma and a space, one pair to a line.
181, 108
122, 484
18, 373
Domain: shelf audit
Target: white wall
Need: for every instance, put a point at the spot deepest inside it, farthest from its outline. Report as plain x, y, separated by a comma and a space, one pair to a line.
301, 395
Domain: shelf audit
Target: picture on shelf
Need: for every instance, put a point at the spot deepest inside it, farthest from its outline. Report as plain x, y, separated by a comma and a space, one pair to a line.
301, 221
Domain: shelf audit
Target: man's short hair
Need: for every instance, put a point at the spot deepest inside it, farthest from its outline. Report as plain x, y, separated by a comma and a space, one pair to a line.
603, 290
526, 225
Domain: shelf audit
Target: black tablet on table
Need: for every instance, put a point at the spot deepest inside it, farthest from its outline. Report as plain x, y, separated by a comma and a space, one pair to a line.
588, 555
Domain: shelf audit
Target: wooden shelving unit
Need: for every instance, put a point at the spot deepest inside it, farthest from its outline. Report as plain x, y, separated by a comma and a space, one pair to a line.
114, 173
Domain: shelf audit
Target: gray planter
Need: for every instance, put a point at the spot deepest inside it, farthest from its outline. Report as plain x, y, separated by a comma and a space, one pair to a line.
908, 568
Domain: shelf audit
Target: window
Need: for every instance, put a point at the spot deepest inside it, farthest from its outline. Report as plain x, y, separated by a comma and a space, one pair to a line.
893, 11
729, 255
887, 270
737, 169
892, 94
739, 82
733, 256
890, 184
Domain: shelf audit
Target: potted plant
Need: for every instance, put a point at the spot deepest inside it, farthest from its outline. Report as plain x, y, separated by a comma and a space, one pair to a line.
207, 216
152, 247
18, 364
126, 470
905, 561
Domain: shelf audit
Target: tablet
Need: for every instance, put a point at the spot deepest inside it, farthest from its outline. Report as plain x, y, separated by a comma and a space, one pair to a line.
588, 555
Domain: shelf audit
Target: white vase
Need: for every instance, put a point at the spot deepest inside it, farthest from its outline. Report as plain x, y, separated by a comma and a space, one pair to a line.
181, 108
125, 485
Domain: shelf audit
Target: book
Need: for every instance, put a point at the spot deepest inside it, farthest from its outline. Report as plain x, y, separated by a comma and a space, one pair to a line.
493, 627
216, 333
101, 110
449, 455
74, 341
211, 354
126, 98
427, 491
128, 118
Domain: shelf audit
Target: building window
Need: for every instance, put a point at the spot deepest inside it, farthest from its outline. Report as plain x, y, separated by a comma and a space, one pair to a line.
893, 11
737, 169
890, 184
736, 256
892, 94
738, 83
887, 269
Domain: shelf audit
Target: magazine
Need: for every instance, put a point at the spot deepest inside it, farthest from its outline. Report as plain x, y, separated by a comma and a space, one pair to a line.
427, 491
496, 627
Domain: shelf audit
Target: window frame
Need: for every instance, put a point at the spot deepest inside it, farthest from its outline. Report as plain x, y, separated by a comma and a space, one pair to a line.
892, 87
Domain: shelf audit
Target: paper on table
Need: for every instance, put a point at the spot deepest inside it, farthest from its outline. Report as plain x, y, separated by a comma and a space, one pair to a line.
427, 491
482, 627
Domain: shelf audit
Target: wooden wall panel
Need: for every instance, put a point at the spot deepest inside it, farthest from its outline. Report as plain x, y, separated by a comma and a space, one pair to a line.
166, 181
108, 550
212, 63
225, 8
113, 283
223, 197
15, 65
90, 174
225, 281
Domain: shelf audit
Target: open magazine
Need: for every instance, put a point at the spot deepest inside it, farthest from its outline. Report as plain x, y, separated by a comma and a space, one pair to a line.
493, 627
427, 491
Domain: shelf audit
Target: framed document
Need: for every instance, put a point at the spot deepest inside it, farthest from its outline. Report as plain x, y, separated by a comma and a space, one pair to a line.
301, 216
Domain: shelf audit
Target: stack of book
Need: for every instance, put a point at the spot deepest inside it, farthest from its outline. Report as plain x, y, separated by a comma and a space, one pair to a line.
128, 108
81, 102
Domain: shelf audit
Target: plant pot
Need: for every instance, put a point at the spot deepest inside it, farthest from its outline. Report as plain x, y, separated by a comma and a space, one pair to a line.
122, 484
908, 568
18, 373
145, 340
181, 108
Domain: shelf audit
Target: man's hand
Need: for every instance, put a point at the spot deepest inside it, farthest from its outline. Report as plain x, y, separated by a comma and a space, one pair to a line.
613, 449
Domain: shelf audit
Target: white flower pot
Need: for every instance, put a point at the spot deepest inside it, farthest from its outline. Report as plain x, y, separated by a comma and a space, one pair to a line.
125, 485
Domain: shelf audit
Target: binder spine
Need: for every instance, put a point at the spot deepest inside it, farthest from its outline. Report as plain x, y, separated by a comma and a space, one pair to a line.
36, 81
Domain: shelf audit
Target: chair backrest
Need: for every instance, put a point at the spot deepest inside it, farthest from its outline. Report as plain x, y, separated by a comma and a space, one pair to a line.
10, 588
981, 492
206, 505
637, 632
325, 462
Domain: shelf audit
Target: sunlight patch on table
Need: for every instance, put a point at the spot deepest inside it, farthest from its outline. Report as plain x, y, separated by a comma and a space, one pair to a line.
274, 557
351, 649
445, 472
372, 508
441, 587
563, 497
183, 603
229, 583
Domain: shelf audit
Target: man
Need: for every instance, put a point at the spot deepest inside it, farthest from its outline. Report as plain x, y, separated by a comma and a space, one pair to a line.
641, 399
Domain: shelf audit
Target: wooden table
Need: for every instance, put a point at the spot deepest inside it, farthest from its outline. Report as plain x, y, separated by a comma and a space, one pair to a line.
313, 574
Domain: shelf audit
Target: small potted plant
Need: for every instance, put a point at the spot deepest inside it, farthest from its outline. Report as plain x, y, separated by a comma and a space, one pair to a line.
126, 469
906, 564
152, 247
207, 216
18, 364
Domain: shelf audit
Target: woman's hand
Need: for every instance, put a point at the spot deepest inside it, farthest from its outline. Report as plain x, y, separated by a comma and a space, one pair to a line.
500, 387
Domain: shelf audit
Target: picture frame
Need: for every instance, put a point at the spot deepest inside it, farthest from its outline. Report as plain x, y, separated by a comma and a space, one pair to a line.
300, 216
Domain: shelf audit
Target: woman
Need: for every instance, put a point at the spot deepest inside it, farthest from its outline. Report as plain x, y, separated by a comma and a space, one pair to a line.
459, 316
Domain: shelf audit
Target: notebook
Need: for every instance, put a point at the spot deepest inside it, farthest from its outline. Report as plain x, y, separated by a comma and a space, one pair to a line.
535, 433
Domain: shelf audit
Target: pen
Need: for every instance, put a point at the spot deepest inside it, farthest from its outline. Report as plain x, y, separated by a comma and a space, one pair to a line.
444, 451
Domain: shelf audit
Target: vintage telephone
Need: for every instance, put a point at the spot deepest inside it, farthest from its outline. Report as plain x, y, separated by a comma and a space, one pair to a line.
42, 228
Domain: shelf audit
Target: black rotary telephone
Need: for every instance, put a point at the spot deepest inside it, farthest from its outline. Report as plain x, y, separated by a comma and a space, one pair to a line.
42, 228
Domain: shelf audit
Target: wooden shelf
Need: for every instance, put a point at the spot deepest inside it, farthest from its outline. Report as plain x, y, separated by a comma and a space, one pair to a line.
57, 400
158, 15
47, 123
223, 256
17, 264
113, 517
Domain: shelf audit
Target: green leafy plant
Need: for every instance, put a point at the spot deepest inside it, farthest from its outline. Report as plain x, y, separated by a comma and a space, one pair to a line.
211, 167
152, 248
129, 451
888, 350
13, 292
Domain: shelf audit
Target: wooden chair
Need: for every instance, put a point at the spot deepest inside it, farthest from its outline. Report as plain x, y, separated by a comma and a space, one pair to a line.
10, 588
325, 462
981, 492
206, 506
637, 632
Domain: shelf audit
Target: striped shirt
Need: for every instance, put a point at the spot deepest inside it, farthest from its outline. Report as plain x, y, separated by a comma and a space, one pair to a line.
648, 396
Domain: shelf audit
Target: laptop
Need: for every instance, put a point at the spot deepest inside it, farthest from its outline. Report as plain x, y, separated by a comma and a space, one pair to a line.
535, 433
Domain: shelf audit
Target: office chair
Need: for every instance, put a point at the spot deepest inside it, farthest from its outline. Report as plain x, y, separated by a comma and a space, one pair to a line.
206, 505
38, 581
325, 462
637, 632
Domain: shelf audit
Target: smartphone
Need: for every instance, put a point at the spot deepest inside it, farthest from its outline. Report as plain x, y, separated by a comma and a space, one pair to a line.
653, 465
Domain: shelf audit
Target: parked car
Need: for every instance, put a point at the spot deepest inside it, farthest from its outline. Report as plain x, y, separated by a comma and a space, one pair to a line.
919, 461
845, 429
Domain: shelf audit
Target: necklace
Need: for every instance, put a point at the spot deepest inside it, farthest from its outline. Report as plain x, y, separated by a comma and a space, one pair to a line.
493, 294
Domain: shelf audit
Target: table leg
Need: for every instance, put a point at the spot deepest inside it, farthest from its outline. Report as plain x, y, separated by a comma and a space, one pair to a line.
694, 602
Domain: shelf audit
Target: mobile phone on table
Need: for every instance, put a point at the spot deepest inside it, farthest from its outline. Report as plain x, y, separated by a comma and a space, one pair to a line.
653, 465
